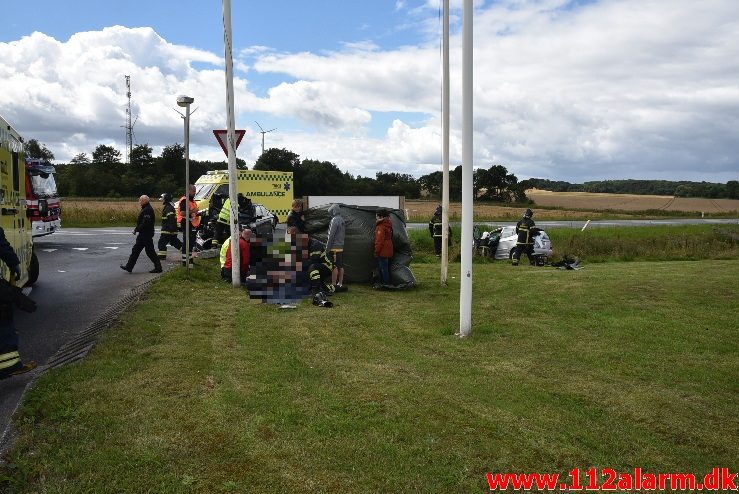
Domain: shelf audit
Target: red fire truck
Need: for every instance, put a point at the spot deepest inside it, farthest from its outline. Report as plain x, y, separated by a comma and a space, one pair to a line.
42, 200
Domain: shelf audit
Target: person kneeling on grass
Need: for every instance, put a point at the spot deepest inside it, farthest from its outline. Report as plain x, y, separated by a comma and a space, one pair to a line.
244, 255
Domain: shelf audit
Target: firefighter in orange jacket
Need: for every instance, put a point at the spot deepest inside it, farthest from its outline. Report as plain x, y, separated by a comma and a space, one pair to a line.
182, 204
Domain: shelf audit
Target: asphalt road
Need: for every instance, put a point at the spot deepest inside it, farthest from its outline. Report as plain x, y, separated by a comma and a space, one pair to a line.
79, 278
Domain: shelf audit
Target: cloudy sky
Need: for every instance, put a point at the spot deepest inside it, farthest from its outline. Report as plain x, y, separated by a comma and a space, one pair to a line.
570, 90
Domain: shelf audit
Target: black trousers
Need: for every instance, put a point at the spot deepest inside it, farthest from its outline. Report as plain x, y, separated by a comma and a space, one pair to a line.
320, 276
9, 357
193, 234
146, 244
166, 239
523, 248
437, 246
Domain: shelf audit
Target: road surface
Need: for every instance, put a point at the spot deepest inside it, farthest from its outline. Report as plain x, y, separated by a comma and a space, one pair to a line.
79, 278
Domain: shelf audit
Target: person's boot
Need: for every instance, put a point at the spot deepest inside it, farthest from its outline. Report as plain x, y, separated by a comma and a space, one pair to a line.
157, 269
126, 268
22, 369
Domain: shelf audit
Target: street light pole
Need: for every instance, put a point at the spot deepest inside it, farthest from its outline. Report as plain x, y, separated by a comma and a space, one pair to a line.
186, 101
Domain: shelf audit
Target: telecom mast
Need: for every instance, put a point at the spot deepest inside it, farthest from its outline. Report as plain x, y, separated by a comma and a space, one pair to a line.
129, 124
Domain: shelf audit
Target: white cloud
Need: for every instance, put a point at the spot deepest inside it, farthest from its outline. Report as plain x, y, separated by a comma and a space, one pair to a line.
609, 89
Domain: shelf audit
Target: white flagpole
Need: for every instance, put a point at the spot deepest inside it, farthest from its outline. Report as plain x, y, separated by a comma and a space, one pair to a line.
465, 291
445, 149
231, 144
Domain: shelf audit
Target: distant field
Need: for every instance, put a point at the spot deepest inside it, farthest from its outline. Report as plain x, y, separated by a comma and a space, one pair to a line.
423, 210
101, 212
630, 202
90, 212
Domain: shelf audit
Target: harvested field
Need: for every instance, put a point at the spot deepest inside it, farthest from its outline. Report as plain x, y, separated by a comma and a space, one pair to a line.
100, 212
423, 210
630, 202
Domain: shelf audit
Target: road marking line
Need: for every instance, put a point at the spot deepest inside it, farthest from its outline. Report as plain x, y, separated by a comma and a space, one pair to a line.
111, 247
48, 250
79, 248
60, 271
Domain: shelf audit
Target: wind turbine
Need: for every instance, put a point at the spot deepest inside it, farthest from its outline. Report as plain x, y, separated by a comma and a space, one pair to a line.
263, 132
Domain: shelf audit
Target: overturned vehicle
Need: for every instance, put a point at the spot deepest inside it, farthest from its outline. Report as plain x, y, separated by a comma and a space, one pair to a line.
360, 265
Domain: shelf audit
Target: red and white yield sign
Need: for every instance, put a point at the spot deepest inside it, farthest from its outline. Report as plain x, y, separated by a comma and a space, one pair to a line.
221, 137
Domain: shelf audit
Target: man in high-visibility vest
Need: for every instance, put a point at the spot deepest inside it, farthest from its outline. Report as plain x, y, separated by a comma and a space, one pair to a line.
244, 254
223, 223
194, 220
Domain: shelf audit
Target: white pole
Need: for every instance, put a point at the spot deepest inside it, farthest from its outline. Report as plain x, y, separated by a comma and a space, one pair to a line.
187, 187
231, 138
465, 291
445, 149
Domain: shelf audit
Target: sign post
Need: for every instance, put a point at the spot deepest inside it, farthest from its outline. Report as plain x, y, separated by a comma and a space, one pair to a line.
231, 147
222, 138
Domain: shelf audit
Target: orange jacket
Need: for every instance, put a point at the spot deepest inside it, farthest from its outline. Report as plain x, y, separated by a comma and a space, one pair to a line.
384, 238
194, 218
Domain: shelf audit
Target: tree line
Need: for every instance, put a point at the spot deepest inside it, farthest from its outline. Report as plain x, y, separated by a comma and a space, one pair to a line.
729, 190
103, 174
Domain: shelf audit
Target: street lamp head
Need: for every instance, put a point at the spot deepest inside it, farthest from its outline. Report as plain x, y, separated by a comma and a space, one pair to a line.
184, 100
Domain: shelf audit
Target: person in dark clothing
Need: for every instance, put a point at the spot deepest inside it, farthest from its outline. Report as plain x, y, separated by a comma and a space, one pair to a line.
319, 271
145, 239
10, 359
183, 205
296, 217
168, 235
525, 242
435, 226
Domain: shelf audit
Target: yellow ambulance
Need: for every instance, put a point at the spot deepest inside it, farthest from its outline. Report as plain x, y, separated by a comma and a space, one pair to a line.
272, 189
13, 220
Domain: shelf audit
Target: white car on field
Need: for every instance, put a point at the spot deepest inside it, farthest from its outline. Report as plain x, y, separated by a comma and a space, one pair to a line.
500, 242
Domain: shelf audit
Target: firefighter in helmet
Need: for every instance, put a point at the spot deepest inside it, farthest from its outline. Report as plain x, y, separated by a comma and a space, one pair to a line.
525, 242
320, 268
169, 231
435, 230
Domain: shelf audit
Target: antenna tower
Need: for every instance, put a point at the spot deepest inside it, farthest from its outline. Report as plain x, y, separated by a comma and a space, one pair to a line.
129, 124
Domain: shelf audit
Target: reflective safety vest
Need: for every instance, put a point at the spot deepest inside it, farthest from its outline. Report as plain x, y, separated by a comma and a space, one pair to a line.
195, 222
225, 215
9, 359
224, 249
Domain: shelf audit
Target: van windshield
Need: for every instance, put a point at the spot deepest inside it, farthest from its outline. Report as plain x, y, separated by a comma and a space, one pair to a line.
202, 191
43, 186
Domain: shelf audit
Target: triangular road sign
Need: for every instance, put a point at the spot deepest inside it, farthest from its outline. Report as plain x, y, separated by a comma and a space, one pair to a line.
221, 137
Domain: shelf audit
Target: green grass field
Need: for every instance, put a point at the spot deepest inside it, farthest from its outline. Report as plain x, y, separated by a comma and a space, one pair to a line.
619, 365
614, 244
